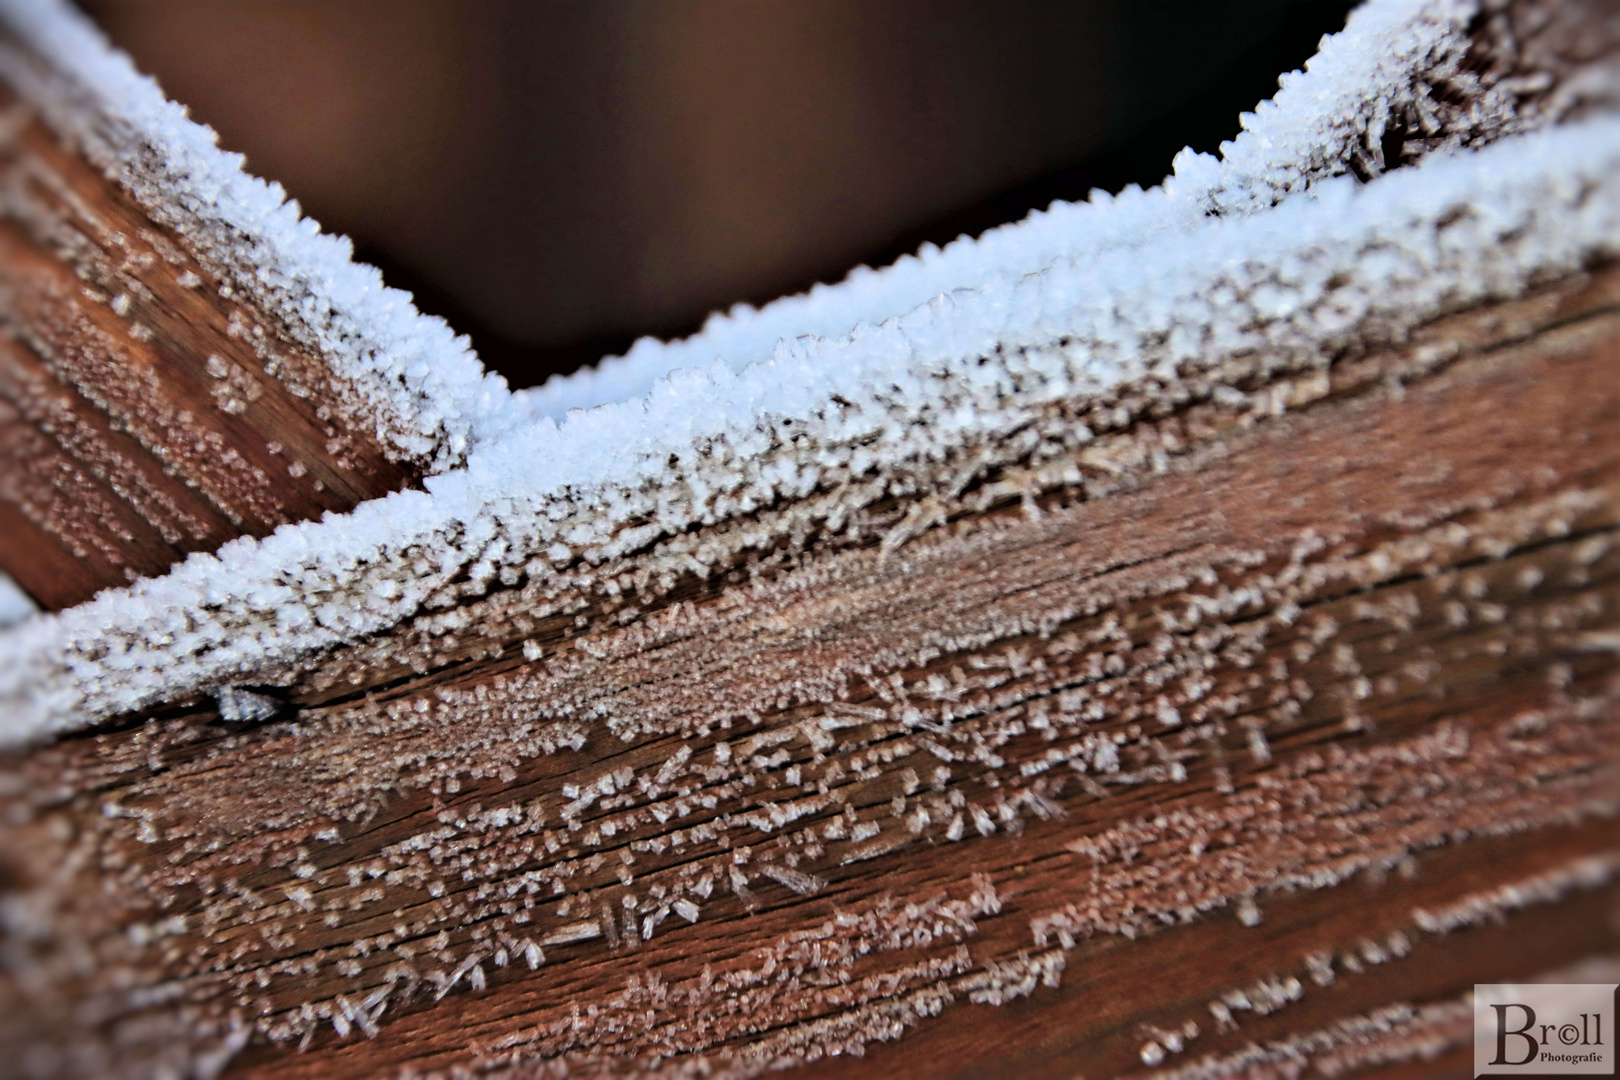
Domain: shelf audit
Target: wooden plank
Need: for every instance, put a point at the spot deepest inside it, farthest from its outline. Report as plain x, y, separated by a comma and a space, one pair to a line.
1341, 666
1240, 738
149, 410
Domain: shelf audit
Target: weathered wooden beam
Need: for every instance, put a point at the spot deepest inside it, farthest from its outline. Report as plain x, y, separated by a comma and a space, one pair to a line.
147, 409
1359, 642
1235, 715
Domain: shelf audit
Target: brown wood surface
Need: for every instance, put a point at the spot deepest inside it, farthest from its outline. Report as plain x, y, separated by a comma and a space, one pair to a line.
1239, 740
145, 410
148, 410
993, 800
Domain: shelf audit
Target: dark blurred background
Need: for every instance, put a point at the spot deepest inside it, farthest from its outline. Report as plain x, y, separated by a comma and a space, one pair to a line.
559, 177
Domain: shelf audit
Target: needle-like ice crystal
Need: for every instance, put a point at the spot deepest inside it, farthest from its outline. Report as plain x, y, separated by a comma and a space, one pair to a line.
1300, 242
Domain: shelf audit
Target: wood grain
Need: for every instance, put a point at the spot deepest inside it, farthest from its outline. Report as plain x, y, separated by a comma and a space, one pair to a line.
1239, 740
145, 410
1340, 664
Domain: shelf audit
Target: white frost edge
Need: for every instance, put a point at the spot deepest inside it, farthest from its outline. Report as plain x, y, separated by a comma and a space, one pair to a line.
419, 384
15, 605
532, 489
1315, 274
1347, 92
434, 402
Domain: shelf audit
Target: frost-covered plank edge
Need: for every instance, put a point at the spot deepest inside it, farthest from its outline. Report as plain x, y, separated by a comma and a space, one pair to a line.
1325, 121
415, 381
1345, 267
425, 386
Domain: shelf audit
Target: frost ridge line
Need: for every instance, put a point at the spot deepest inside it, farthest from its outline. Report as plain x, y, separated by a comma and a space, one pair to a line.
1349, 266
1397, 62
424, 391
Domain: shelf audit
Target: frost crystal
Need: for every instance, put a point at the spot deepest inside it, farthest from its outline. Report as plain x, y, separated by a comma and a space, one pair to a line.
412, 376
237, 705
1299, 243
1398, 64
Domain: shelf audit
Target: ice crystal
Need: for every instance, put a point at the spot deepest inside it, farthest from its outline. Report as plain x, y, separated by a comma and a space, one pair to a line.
1299, 242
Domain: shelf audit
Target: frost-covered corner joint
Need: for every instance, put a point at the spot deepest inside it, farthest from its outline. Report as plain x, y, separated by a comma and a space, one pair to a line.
1300, 242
